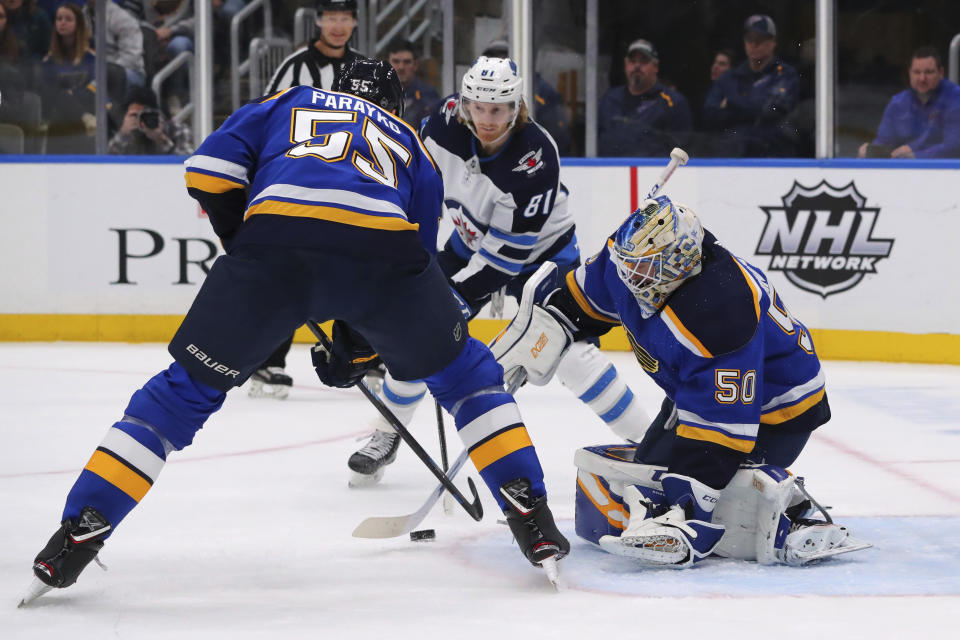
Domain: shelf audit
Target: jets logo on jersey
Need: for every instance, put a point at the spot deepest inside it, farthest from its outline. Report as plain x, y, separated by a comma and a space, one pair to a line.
448, 110
822, 238
531, 162
469, 232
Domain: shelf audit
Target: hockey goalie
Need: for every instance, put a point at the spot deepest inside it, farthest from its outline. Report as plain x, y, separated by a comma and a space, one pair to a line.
744, 391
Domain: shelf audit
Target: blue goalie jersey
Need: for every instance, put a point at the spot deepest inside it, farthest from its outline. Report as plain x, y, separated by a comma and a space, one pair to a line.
340, 159
724, 349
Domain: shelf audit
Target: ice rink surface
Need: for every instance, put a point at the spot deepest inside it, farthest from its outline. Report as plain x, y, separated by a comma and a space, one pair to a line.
247, 532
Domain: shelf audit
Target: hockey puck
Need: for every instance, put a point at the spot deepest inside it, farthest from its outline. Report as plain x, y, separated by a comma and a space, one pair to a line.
424, 535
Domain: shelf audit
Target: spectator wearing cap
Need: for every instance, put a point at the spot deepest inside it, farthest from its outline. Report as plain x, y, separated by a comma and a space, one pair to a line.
419, 97
643, 117
924, 120
549, 110
319, 63
750, 103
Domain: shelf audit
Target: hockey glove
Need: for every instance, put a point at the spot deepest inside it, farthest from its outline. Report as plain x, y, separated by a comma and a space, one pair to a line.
347, 360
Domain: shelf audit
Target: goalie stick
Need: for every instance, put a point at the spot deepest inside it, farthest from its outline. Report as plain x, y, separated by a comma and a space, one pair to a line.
475, 508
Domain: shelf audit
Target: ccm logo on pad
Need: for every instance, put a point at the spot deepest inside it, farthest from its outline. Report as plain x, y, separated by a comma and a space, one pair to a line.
210, 362
541, 343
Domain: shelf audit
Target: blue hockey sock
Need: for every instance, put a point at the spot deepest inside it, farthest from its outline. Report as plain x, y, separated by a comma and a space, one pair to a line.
488, 420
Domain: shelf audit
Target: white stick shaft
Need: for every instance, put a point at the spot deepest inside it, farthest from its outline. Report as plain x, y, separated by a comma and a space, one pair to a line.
678, 158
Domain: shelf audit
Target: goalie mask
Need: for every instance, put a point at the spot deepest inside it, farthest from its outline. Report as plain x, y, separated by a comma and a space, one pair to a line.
656, 249
373, 80
493, 87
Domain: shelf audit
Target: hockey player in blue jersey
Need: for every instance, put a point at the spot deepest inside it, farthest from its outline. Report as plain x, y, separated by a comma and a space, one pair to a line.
503, 195
743, 385
327, 206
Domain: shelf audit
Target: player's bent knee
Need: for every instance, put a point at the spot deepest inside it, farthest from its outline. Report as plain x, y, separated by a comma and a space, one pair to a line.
472, 371
175, 405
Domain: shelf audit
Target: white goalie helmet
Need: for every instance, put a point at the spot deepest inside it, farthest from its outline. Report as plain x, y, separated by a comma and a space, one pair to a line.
656, 249
492, 81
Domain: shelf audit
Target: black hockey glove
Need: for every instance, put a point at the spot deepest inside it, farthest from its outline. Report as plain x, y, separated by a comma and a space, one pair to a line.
347, 360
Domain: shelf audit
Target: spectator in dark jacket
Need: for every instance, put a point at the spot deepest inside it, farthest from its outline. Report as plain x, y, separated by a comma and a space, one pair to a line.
419, 97
32, 26
146, 131
750, 102
924, 120
643, 117
68, 84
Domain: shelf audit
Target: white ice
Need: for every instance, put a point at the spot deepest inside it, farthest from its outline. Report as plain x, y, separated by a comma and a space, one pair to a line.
247, 532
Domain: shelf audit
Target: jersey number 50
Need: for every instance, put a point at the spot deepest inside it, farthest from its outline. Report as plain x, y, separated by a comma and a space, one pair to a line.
334, 147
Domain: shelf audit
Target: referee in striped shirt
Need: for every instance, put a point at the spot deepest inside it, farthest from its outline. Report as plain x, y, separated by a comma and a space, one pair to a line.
318, 63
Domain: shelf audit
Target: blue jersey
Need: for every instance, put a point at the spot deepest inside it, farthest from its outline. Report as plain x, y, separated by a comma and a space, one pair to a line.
932, 129
724, 348
289, 169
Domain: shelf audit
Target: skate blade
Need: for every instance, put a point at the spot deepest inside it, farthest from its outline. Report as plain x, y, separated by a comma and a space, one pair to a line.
37, 588
850, 545
276, 392
552, 570
362, 480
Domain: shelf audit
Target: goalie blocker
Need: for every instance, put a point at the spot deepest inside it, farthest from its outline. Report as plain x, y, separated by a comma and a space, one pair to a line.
766, 513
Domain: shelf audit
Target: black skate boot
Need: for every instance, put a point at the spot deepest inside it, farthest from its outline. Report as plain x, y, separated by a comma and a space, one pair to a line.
367, 464
532, 524
270, 382
71, 549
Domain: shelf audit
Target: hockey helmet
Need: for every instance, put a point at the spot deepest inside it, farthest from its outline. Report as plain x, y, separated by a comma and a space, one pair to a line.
656, 249
491, 80
373, 80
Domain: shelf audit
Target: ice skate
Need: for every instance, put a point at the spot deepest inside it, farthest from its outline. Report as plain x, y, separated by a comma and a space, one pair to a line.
69, 551
270, 382
533, 528
367, 464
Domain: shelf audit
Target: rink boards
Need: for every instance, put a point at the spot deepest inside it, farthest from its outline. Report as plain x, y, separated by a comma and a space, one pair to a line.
862, 252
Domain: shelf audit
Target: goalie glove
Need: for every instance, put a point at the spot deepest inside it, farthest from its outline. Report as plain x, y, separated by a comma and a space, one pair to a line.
347, 360
535, 340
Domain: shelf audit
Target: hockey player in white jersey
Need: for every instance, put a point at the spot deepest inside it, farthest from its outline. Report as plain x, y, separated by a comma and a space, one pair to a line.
502, 192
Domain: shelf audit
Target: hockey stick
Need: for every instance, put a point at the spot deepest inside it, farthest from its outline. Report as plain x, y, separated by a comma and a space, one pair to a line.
393, 526
678, 158
442, 433
475, 508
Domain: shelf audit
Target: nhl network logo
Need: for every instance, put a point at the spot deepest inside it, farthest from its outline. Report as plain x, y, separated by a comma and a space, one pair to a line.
821, 238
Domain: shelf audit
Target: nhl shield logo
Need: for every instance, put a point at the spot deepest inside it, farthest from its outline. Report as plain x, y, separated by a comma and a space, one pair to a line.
821, 238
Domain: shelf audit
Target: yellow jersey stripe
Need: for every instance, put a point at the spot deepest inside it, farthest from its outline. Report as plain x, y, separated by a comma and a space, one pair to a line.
581, 299
787, 413
276, 95
708, 435
611, 506
500, 447
333, 214
686, 332
210, 184
753, 287
118, 474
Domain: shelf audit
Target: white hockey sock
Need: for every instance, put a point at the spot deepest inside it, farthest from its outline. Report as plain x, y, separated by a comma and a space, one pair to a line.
402, 398
592, 377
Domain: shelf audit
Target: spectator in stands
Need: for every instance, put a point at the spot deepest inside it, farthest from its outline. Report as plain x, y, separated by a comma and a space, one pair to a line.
643, 117
922, 121
124, 46
750, 103
318, 63
549, 110
9, 46
146, 131
174, 23
722, 62
68, 93
419, 97
32, 26
12, 84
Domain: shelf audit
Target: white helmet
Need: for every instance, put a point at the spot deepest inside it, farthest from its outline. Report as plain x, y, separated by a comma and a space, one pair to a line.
491, 80
656, 249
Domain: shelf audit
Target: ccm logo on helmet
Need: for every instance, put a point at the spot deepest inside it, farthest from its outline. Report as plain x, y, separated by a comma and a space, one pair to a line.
210, 362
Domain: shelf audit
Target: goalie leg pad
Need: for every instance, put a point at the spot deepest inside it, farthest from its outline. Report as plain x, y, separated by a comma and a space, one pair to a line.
592, 377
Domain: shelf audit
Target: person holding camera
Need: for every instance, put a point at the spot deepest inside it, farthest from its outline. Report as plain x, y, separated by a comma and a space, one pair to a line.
922, 121
145, 130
